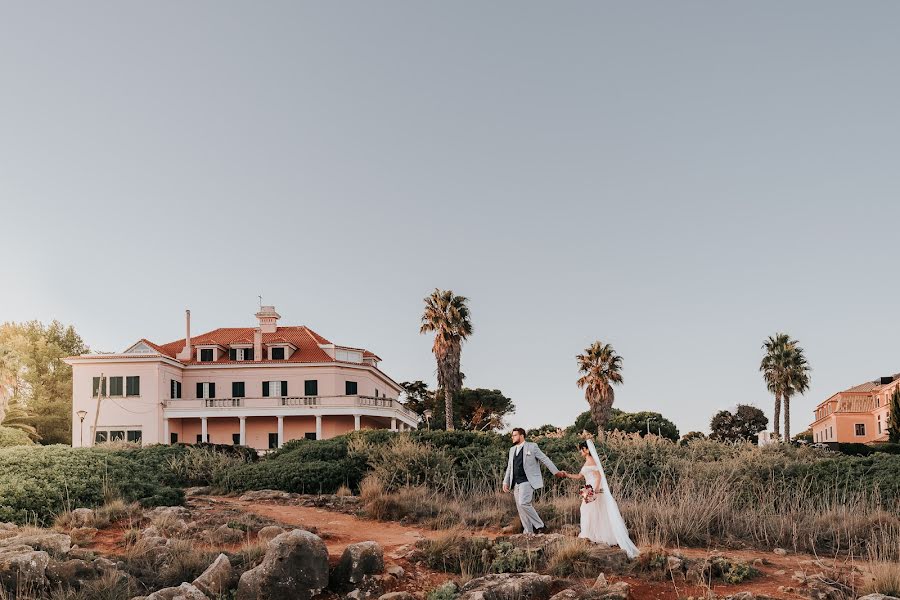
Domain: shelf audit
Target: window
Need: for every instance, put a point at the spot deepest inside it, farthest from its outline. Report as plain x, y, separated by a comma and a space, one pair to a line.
115, 386
310, 435
376, 392
206, 389
96, 386
860, 429
173, 438
134, 436
311, 387
273, 440
348, 356
133, 386
879, 424
116, 436
236, 439
206, 354
175, 389
350, 388
100, 437
274, 388
237, 389
240, 354
277, 353
200, 438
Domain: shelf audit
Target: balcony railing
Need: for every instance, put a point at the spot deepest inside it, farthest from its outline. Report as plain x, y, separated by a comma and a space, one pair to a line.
311, 402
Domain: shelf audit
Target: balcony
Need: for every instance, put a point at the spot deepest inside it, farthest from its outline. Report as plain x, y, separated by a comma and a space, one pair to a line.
293, 405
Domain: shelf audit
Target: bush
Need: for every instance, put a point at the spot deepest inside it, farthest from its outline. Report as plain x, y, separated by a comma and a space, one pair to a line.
10, 436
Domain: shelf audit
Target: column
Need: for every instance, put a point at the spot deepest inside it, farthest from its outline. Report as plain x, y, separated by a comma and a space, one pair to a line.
356, 422
166, 437
280, 431
203, 433
243, 430
318, 427
393, 423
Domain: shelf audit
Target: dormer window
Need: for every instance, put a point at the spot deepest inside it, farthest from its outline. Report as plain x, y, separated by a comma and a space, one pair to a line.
208, 352
206, 355
280, 349
240, 354
353, 356
277, 353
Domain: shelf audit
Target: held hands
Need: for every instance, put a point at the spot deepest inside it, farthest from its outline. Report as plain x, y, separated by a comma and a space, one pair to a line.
561, 474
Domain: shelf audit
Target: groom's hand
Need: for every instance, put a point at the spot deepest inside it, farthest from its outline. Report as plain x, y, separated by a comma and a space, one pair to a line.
560, 474
505, 488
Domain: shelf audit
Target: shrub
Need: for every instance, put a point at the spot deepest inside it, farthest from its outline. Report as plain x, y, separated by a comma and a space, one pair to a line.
13, 437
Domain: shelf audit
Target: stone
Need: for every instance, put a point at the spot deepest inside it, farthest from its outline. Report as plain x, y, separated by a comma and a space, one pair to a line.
173, 512
150, 531
820, 589
72, 572
354, 595
226, 535
674, 563
197, 491
779, 572
216, 579
185, 591
295, 567
397, 596
83, 517
358, 561
780, 551
23, 567
601, 581
268, 533
877, 597
155, 541
55, 544
396, 571
508, 586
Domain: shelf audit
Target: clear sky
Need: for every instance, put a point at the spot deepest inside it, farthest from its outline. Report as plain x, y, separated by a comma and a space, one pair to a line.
679, 179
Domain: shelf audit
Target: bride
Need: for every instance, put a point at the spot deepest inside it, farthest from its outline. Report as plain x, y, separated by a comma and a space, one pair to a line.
600, 518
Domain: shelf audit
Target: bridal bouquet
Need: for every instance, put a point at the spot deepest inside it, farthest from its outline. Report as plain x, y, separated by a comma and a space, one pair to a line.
587, 493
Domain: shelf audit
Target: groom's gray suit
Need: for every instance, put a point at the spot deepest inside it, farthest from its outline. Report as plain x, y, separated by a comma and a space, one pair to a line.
524, 490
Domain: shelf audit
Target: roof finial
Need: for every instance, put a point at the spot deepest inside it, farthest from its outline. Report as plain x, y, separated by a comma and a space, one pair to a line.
260, 301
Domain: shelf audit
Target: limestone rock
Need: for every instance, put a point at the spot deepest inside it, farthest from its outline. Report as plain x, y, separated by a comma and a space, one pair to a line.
397, 596
258, 495
226, 535
396, 571
780, 551
357, 562
23, 566
295, 567
878, 597
269, 533
185, 591
83, 517
216, 579
508, 586
56, 544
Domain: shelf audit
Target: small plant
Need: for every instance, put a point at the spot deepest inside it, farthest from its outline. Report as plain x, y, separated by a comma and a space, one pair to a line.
447, 591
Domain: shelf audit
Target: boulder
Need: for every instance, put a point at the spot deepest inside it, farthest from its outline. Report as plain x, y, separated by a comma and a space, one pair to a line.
819, 588
83, 517
508, 586
878, 597
72, 572
268, 533
397, 596
357, 562
395, 571
295, 567
780, 551
23, 567
226, 535
56, 544
173, 512
185, 591
259, 495
216, 579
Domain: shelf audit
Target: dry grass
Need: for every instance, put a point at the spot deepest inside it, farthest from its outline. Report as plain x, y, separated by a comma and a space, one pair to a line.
343, 492
574, 557
111, 512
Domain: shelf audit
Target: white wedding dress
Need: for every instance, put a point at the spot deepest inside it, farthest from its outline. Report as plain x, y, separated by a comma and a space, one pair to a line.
601, 521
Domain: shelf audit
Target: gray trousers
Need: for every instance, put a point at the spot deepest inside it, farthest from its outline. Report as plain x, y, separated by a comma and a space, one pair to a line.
524, 493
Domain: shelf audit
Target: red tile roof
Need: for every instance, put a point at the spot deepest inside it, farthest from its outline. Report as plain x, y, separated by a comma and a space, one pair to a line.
305, 339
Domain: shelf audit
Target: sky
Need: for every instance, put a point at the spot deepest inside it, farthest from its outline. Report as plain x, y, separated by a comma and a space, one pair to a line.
678, 179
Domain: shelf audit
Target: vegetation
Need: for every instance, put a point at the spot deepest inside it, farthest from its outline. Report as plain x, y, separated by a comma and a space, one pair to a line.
741, 425
447, 316
625, 422
473, 409
600, 369
13, 437
33, 376
894, 420
786, 371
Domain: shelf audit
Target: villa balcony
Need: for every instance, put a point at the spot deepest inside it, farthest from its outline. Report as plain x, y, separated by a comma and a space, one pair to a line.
289, 405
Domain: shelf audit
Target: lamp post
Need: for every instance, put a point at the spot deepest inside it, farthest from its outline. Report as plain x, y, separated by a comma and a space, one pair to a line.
427, 415
81, 415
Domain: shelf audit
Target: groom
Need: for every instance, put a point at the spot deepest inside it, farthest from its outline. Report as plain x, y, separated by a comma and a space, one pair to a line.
523, 475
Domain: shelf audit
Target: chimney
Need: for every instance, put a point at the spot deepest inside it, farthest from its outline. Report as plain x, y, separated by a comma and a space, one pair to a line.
268, 319
257, 344
187, 351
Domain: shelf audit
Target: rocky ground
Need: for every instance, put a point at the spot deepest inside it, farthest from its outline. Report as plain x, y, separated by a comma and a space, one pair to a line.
273, 545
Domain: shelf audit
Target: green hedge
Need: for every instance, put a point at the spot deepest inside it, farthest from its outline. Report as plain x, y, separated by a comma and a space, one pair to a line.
13, 437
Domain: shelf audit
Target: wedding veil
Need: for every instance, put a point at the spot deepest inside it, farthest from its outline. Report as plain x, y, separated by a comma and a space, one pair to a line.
617, 523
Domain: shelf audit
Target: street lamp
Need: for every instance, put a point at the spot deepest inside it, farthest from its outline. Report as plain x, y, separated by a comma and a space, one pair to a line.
81, 415
427, 415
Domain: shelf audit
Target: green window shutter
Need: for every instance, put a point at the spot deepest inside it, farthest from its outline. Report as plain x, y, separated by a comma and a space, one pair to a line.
284, 388
248, 354
212, 390
311, 387
232, 354
265, 389
199, 390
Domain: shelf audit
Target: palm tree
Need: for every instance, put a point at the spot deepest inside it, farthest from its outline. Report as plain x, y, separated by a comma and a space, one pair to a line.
600, 368
448, 317
786, 371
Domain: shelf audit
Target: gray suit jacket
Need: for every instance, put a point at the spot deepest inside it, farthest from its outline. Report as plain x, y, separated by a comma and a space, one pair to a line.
533, 454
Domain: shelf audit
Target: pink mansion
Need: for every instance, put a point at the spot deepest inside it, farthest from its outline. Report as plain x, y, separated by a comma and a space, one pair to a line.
255, 386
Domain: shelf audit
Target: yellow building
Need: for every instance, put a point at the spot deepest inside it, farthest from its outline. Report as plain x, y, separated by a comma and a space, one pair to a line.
858, 415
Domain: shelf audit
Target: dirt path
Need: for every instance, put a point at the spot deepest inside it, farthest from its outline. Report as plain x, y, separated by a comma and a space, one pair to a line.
338, 529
